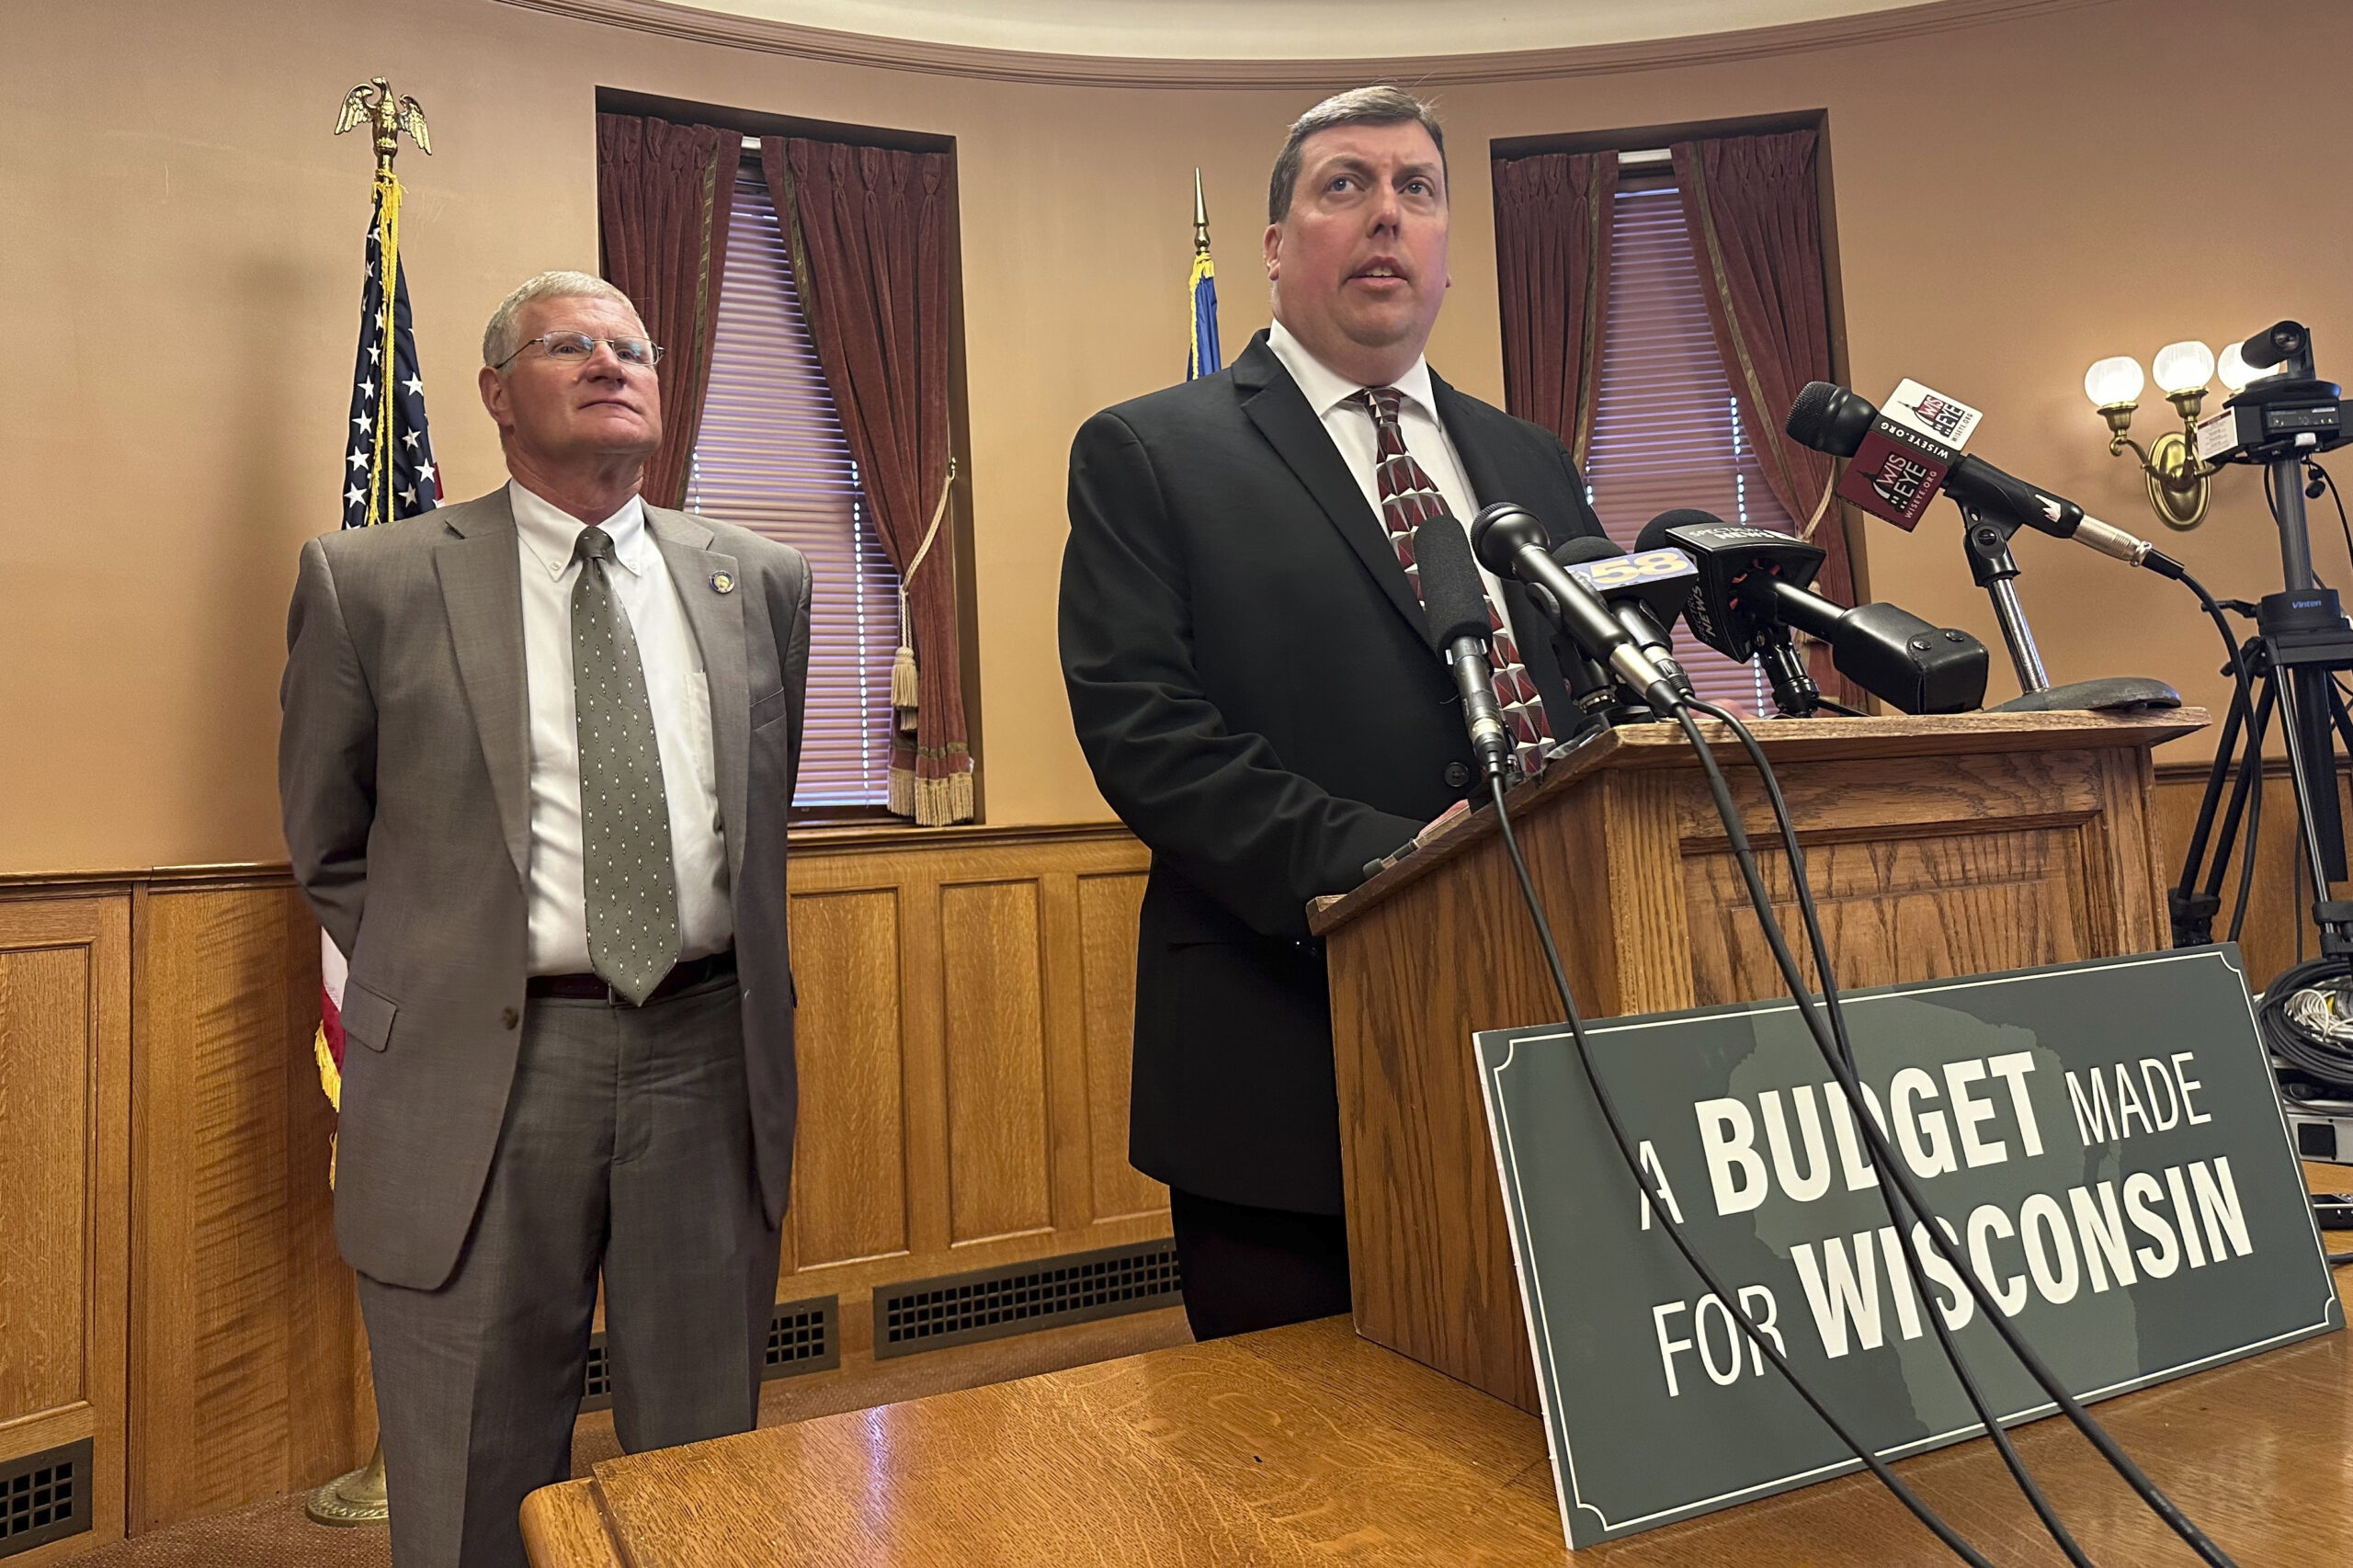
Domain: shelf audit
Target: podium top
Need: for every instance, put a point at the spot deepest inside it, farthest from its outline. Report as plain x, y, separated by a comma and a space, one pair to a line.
1663, 745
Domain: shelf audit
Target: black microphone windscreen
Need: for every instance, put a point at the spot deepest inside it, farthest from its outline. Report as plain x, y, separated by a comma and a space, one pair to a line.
1830, 419
1453, 599
1584, 548
1654, 534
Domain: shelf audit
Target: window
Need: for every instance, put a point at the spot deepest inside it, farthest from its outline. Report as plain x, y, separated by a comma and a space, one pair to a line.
771, 457
1666, 430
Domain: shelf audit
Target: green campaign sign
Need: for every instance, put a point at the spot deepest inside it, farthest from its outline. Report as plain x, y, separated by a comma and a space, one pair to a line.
2101, 1141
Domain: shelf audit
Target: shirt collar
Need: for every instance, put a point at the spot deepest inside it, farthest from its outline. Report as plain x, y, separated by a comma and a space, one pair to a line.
1325, 388
551, 533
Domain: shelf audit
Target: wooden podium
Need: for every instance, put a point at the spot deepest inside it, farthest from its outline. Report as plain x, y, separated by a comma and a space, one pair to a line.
1936, 846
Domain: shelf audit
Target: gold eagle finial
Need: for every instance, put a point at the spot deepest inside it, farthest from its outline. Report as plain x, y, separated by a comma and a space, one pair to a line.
373, 103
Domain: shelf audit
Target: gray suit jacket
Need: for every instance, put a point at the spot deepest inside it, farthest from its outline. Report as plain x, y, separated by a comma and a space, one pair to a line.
402, 769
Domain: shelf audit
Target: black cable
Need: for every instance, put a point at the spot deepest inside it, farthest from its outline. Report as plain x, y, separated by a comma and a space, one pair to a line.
2333, 495
2330, 1063
1914, 1267
1756, 1338
1744, 856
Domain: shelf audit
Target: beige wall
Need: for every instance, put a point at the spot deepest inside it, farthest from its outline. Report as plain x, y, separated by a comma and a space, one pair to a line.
179, 241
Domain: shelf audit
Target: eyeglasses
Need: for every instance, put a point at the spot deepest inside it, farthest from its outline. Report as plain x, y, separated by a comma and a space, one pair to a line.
578, 348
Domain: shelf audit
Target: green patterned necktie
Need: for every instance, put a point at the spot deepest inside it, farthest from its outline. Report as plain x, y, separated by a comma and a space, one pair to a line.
632, 894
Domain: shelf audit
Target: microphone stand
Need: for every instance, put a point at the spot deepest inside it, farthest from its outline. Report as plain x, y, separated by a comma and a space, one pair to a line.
1986, 542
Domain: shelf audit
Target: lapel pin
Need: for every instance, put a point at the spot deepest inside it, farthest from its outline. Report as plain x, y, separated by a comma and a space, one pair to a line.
723, 582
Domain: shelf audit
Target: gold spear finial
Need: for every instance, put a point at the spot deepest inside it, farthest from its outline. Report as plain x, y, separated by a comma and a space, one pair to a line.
1200, 219
372, 101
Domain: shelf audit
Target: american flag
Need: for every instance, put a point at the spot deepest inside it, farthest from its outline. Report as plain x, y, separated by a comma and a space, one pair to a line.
389, 473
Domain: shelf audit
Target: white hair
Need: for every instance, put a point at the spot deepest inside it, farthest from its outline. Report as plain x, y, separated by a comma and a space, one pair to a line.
498, 343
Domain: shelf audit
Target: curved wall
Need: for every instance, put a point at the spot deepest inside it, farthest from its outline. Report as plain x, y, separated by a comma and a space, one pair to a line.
179, 242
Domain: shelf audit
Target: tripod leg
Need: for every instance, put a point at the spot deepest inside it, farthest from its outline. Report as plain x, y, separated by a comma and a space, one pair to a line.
2249, 771
2316, 704
2223, 751
2251, 782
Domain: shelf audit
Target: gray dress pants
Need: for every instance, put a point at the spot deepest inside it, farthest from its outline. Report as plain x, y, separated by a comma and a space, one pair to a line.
626, 1147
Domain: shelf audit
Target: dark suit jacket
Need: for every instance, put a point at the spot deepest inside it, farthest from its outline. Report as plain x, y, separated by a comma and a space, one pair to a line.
1254, 685
404, 771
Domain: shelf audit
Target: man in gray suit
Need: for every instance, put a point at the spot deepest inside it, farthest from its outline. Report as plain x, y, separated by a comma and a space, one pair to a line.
538, 753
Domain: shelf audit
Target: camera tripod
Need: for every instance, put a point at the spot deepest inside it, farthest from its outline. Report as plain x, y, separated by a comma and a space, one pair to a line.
2303, 642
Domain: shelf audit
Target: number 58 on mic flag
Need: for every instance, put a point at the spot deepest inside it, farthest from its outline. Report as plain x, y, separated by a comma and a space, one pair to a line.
1904, 457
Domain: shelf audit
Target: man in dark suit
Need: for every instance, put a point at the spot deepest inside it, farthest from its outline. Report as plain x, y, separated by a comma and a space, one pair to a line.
538, 753
1253, 682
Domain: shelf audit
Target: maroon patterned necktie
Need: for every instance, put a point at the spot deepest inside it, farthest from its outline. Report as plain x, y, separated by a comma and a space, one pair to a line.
1408, 500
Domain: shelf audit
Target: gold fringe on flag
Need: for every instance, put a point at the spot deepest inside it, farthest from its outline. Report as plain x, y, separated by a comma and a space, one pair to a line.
388, 263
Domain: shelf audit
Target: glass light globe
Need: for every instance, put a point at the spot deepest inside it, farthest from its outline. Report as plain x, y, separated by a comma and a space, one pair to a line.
2111, 381
2184, 367
2237, 373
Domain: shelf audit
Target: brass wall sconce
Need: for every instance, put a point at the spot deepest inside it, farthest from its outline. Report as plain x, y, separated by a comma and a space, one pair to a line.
2180, 484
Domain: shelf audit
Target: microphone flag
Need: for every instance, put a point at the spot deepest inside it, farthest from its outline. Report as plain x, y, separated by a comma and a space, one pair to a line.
1204, 358
1904, 456
388, 473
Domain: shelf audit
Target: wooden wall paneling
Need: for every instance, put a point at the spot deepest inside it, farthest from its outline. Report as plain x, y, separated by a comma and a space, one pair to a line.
975, 993
850, 1157
993, 997
244, 1320
1061, 962
1108, 906
64, 1187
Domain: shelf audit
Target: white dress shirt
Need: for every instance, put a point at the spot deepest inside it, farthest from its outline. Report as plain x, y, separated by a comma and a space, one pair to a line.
556, 894
1333, 398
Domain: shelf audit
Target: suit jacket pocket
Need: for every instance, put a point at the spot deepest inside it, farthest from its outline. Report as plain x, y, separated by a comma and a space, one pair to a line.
367, 1016
772, 707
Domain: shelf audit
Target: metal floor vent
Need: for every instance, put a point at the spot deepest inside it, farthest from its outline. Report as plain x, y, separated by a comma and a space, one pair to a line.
991, 1303
44, 1497
801, 1338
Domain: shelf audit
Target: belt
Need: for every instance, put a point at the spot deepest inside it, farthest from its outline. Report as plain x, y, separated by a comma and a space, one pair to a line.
683, 976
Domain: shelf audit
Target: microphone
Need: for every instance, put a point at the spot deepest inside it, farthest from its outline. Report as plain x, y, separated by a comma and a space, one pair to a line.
1455, 602
1753, 585
1902, 461
1511, 543
1645, 593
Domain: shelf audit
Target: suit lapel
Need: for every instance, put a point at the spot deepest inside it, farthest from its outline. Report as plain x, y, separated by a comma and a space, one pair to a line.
718, 622
1279, 410
482, 591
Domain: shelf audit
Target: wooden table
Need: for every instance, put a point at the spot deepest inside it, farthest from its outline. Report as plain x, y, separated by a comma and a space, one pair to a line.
1307, 1445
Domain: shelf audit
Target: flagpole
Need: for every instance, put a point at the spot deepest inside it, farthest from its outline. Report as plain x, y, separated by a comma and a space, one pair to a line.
360, 1496
1203, 358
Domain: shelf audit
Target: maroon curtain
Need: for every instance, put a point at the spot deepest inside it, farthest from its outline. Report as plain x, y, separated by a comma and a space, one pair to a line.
664, 194
872, 231
1754, 205
1554, 216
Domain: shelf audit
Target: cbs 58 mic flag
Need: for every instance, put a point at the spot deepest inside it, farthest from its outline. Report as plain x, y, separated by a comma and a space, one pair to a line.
389, 473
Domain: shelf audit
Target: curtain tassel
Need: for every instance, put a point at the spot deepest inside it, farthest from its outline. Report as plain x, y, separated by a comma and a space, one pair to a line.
906, 690
906, 686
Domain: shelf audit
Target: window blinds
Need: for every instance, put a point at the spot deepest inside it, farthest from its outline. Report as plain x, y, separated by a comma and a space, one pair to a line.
1667, 431
771, 457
